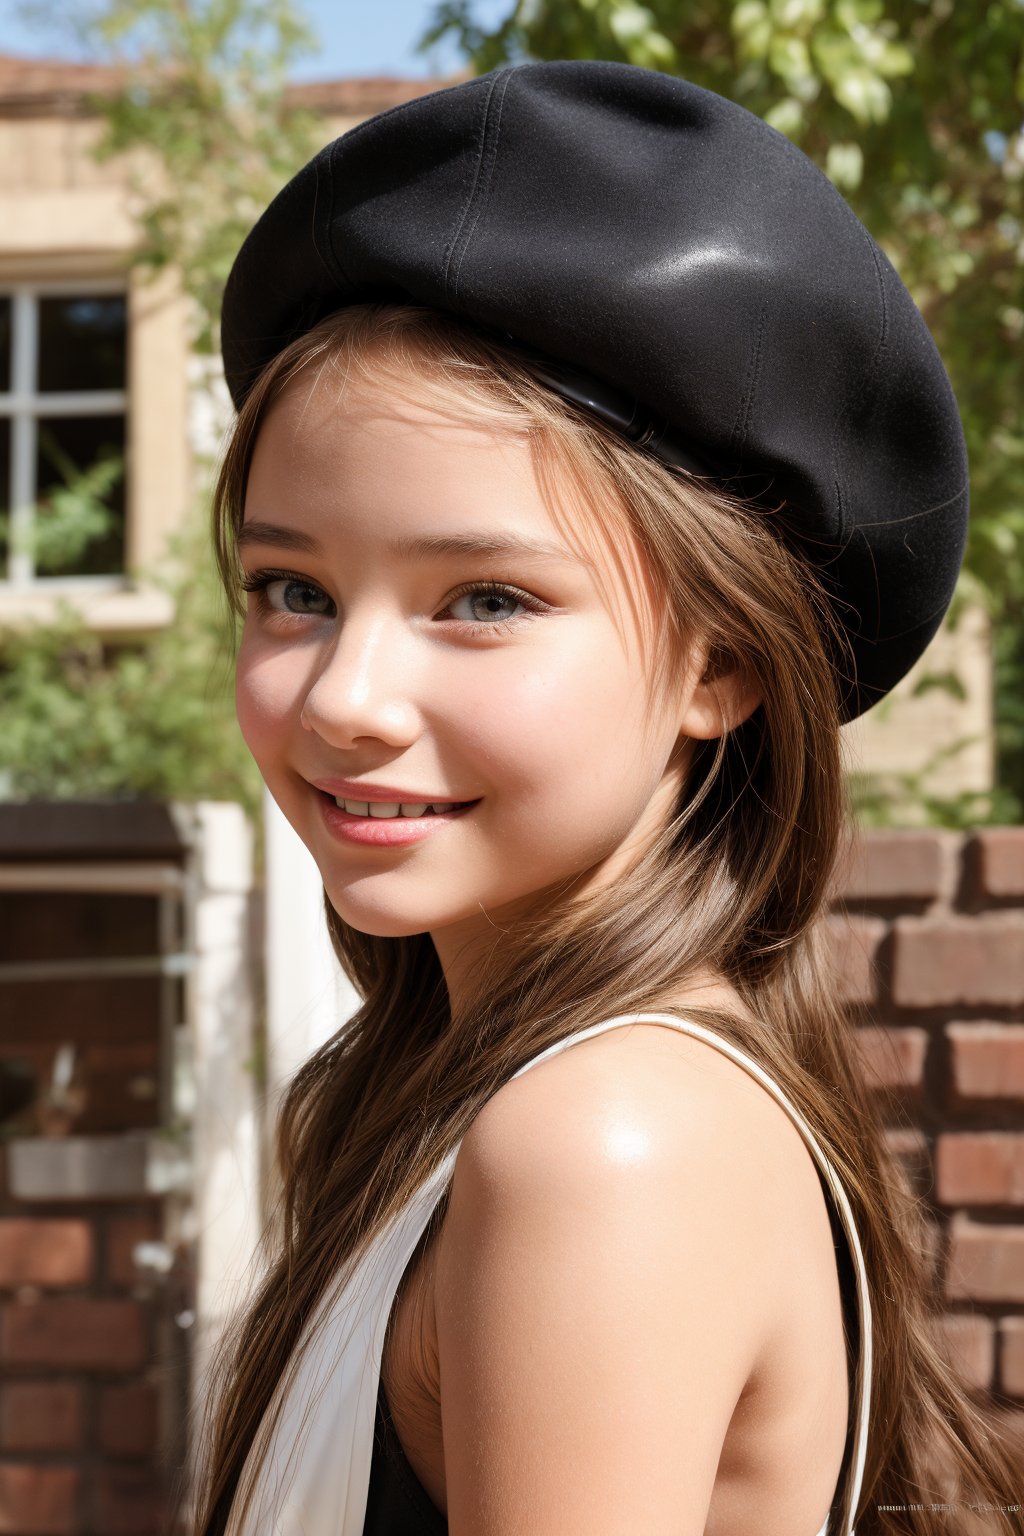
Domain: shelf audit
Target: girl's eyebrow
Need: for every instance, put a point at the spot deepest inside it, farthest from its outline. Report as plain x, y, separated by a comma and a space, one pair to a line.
283, 538
472, 542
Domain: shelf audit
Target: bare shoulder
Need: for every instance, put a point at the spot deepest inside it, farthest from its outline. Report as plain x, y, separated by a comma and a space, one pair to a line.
644, 1098
601, 1289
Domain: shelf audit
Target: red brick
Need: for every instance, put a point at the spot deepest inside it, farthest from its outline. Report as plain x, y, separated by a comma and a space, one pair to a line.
84, 1333
980, 1168
123, 1232
1001, 861
129, 1502
987, 1060
899, 864
128, 1419
37, 1500
959, 960
117, 1081
43, 1251
1011, 1330
107, 1010
967, 1342
120, 1088
986, 1261
910, 1148
931, 1245
41, 1416
854, 945
892, 1058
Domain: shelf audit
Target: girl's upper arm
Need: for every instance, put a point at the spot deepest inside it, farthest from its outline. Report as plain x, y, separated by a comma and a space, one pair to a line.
599, 1303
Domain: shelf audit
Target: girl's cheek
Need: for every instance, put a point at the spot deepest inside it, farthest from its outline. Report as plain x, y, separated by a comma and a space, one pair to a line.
267, 703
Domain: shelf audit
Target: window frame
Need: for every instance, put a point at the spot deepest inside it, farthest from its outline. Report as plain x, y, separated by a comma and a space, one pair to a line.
23, 406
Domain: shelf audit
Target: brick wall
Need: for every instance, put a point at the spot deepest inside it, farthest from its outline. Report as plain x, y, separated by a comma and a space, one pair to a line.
929, 928
91, 1361
81, 1371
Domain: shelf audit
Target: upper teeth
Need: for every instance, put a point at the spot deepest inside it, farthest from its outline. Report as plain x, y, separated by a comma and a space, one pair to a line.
388, 807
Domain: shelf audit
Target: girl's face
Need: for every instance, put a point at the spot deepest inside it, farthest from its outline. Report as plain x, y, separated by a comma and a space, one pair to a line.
421, 632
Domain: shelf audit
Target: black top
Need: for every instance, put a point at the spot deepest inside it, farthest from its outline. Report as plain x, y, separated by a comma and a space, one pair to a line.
397, 1503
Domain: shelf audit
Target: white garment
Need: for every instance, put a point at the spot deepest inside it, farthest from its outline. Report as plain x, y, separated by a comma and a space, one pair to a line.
315, 1477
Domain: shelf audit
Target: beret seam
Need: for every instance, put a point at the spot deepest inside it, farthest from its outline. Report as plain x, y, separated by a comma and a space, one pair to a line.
794, 152
447, 292
870, 376
741, 425
334, 265
492, 155
338, 269
402, 106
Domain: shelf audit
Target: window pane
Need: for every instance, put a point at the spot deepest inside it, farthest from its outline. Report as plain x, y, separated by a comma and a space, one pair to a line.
66, 542
5, 463
5, 490
5, 345
82, 342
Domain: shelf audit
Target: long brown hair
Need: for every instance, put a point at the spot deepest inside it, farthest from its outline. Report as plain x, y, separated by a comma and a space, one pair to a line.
735, 883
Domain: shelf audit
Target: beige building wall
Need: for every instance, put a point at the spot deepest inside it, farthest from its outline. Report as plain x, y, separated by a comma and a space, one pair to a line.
920, 738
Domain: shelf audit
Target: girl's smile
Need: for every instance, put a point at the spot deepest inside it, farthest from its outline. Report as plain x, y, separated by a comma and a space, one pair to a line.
387, 823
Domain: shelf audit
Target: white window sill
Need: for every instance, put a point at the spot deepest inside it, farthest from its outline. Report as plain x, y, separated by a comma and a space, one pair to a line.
108, 610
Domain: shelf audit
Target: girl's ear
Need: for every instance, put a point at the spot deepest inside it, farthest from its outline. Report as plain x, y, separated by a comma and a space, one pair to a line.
725, 694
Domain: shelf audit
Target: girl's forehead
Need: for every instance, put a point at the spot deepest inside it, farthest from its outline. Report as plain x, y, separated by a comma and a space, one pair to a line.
332, 396
373, 441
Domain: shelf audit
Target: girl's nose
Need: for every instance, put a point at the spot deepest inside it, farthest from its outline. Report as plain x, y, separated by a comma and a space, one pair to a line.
361, 688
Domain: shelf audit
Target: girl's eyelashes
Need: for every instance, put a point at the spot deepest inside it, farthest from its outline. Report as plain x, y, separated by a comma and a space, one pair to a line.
493, 594
287, 587
285, 592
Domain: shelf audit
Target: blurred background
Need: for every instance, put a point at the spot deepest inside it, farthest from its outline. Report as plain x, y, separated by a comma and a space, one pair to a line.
163, 961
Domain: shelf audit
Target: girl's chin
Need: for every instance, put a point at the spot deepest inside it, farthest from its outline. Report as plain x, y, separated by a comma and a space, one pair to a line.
378, 923
381, 929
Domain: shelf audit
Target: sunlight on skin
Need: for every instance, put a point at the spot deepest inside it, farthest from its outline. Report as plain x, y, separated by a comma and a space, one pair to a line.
545, 717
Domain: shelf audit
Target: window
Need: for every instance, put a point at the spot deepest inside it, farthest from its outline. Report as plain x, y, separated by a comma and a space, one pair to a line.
63, 402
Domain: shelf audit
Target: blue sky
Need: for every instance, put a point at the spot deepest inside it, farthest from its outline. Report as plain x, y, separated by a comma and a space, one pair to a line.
358, 37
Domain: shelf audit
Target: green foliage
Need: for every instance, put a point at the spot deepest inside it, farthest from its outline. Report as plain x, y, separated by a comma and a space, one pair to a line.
883, 800
153, 719
73, 514
914, 109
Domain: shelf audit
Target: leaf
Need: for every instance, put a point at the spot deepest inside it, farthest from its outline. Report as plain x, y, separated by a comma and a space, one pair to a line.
748, 17
786, 115
797, 15
788, 56
947, 682
865, 95
844, 164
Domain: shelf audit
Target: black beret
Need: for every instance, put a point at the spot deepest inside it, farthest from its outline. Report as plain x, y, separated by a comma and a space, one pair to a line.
692, 277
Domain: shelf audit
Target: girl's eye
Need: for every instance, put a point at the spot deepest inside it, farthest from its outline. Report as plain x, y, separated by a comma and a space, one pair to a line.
487, 603
287, 594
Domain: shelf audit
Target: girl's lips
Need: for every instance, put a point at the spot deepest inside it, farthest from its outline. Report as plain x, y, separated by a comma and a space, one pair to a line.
385, 831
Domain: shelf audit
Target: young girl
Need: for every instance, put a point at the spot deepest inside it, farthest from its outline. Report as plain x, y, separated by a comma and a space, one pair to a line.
592, 467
